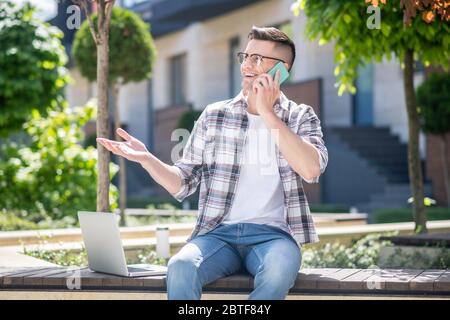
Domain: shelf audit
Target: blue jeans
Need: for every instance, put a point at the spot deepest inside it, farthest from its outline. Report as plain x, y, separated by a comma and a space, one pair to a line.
269, 254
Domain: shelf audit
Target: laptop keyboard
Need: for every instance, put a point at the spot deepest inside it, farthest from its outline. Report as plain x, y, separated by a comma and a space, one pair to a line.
132, 269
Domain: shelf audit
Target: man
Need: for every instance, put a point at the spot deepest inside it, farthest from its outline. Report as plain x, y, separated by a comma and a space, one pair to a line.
252, 216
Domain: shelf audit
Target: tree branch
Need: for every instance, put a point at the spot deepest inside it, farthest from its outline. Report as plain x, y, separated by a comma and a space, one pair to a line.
101, 17
108, 13
83, 4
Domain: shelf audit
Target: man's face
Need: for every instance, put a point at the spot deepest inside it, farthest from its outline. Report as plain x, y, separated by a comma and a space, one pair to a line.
250, 71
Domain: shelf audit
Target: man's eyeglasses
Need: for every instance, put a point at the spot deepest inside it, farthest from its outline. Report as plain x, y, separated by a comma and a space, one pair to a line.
255, 59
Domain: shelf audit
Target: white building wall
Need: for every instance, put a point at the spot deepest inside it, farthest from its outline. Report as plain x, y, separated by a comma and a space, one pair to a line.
134, 109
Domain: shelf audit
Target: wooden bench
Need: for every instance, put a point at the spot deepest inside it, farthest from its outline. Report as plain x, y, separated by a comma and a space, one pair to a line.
319, 282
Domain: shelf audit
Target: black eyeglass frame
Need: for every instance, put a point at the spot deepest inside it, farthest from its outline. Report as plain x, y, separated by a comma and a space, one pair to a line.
246, 55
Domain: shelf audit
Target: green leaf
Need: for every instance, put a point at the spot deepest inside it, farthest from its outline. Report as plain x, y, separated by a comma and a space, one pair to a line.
336, 70
347, 18
322, 41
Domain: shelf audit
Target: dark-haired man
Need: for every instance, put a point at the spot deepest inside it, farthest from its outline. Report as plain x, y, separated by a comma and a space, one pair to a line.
249, 155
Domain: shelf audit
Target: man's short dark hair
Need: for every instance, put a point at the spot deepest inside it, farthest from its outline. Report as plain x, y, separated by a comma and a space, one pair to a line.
275, 35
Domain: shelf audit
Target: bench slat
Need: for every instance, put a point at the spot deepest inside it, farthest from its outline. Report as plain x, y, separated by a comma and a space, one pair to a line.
37, 279
426, 280
443, 282
307, 278
4, 271
154, 282
392, 279
241, 281
9, 271
332, 280
356, 280
58, 279
16, 278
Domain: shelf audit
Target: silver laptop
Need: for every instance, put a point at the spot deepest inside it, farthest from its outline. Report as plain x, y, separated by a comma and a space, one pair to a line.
104, 247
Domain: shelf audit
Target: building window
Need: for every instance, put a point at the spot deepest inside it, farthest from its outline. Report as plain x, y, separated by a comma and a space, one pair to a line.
178, 79
363, 99
235, 68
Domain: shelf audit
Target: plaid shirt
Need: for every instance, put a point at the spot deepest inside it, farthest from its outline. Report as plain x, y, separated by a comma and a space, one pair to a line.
212, 157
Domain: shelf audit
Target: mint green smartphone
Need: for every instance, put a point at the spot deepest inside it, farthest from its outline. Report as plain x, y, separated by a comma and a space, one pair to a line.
284, 73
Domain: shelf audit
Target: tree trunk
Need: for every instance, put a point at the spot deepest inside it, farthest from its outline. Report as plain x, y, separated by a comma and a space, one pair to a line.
444, 158
122, 167
414, 165
102, 122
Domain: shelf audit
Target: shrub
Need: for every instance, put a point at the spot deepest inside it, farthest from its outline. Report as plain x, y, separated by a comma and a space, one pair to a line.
418, 258
53, 176
62, 257
363, 253
10, 222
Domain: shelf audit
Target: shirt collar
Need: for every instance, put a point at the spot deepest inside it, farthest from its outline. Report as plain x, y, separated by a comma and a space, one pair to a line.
240, 100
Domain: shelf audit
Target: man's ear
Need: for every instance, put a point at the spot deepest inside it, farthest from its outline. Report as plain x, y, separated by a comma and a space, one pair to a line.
287, 66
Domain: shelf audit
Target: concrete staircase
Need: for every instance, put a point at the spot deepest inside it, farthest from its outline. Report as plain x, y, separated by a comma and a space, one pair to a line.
388, 156
393, 196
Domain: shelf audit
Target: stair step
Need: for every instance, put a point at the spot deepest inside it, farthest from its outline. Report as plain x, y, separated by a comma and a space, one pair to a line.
353, 130
393, 170
404, 188
368, 138
356, 143
382, 153
382, 149
397, 179
390, 197
361, 129
388, 161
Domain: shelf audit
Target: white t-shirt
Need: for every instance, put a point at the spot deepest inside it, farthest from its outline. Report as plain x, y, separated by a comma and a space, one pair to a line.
259, 193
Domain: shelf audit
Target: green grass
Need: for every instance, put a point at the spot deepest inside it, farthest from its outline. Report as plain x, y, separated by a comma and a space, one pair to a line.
329, 208
406, 215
